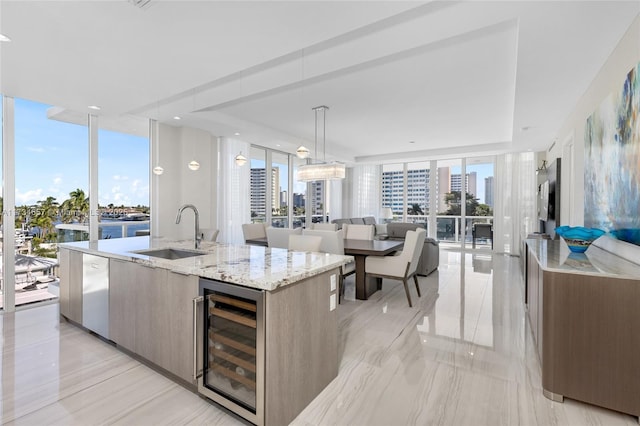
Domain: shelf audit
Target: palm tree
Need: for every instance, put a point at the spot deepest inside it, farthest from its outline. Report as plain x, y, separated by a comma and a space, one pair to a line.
22, 216
77, 206
46, 215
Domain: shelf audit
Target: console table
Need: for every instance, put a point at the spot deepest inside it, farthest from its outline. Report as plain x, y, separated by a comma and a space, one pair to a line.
584, 313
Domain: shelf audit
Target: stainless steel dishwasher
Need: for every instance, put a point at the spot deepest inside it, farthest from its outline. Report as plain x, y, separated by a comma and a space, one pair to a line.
95, 294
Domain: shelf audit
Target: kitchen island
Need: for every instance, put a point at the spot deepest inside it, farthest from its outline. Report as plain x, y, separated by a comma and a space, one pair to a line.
146, 296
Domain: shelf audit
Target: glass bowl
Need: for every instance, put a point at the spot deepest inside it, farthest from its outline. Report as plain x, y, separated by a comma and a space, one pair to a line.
630, 235
579, 238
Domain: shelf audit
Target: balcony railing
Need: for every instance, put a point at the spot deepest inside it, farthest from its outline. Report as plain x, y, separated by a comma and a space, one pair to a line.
449, 227
68, 232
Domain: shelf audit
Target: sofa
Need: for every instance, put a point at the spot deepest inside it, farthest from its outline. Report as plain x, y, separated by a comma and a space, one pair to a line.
430, 257
368, 220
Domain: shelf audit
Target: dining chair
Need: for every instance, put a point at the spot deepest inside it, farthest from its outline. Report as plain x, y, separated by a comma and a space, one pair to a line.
333, 242
209, 234
304, 242
358, 232
279, 237
403, 265
252, 231
324, 226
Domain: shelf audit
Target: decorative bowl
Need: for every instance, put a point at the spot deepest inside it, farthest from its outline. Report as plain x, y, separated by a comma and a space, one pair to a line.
630, 235
579, 238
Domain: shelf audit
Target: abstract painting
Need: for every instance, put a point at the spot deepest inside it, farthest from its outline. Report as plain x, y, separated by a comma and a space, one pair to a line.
612, 162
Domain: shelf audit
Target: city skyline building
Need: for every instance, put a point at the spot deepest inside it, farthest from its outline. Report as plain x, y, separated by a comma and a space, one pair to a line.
258, 190
488, 191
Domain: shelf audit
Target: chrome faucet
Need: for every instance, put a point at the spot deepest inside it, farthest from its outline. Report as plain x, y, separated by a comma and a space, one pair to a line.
197, 228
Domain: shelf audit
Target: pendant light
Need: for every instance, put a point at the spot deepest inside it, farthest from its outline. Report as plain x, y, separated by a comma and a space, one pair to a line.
155, 131
303, 152
193, 164
241, 160
321, 170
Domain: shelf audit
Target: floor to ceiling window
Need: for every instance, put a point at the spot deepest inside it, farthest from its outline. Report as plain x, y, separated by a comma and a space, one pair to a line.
123, 184
258, 178
418, 196
275, 196
448, 196
450, 192
393, 189
479, 211
49, 149
299, 195
51, 188
280, 190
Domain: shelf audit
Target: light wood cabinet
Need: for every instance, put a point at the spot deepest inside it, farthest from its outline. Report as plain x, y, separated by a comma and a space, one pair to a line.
586, 332
151, 314
70, 284
534, 298
301, 346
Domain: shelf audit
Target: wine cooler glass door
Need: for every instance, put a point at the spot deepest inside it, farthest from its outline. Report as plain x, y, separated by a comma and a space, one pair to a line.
233, 346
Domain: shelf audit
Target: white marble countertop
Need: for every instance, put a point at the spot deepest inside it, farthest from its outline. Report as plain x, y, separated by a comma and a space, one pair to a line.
251, 266
554, 255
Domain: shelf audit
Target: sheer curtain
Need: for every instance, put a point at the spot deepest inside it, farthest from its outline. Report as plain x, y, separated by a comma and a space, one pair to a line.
233, 190
335, 199
366, 199
515, 201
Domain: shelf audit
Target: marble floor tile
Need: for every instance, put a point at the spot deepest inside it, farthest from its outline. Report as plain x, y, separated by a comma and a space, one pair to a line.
462, 355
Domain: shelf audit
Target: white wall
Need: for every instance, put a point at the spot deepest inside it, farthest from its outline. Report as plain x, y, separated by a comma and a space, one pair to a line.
179, 185
610, 78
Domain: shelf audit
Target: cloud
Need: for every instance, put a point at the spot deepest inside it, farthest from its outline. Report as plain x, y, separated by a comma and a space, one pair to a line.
120, 177
35, 149
57, 180
115, 189
29, 197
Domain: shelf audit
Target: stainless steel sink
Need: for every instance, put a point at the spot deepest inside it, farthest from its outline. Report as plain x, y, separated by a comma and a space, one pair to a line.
170, 253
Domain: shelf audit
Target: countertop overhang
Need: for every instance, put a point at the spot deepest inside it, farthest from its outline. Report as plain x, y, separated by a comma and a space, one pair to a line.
251, 266
555, 256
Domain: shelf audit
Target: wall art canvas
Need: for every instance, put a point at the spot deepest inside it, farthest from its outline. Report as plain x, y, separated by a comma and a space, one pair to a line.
612, 162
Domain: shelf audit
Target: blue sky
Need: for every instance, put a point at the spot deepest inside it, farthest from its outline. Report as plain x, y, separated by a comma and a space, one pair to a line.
52, 160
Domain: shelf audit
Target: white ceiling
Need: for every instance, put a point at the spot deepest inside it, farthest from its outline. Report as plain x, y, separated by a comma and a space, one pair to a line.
451, 77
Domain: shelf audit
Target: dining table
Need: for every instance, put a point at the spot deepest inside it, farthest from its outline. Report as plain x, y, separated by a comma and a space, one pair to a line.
360, 249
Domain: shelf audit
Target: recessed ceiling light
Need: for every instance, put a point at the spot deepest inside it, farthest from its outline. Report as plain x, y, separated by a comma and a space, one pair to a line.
277, 144
237, 134
4, 38
94, 107
412, 141
177, 118
525, 128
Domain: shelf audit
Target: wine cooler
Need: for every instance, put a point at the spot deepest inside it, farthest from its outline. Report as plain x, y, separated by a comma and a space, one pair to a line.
232, 370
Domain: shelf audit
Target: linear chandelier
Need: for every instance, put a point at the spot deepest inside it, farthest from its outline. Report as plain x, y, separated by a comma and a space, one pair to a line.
322, 170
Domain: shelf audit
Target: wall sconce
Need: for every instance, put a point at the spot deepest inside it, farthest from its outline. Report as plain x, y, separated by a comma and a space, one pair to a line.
194, 165
157, 170
241, 160
542, 168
